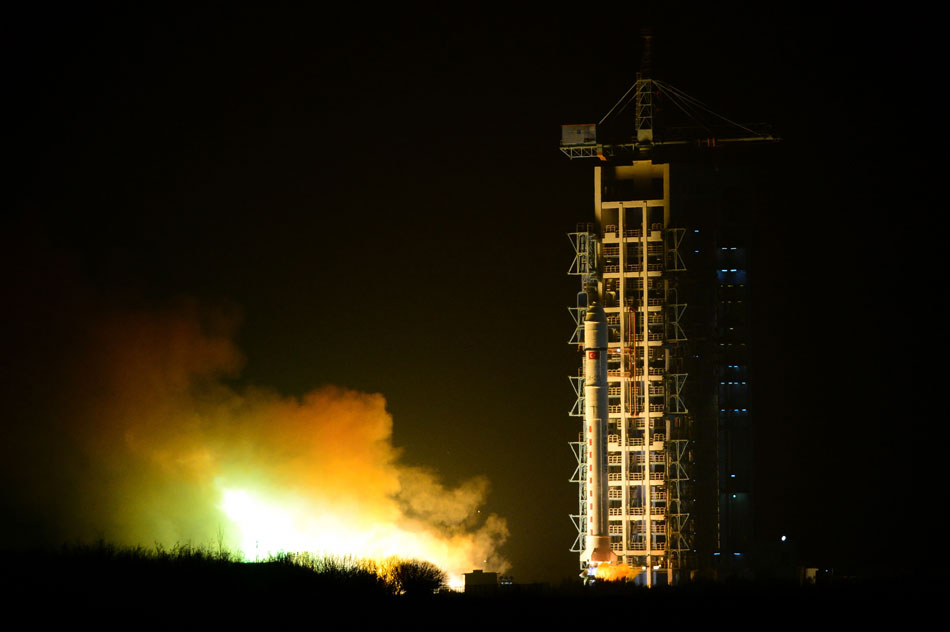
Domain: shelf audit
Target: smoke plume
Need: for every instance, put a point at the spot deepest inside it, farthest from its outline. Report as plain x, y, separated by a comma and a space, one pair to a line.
123, 423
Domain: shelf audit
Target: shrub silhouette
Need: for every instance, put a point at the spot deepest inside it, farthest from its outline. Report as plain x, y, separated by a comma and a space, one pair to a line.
415, 577
187, 575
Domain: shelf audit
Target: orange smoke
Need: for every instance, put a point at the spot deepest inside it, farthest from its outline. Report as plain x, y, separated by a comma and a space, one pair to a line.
153, 445
616, 572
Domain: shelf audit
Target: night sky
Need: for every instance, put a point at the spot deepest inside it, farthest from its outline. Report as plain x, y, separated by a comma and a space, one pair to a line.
381, 199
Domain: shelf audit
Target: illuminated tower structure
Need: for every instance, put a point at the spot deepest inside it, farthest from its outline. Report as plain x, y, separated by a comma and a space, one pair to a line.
679, 452
629, 259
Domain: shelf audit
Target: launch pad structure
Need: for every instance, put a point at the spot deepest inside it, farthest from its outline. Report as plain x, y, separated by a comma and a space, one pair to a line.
664, 517
629, 259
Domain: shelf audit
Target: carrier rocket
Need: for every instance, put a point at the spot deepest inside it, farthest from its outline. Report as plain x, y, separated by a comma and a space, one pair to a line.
597, 548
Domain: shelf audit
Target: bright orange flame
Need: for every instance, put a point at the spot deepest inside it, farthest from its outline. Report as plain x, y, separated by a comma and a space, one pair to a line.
616, 572
267, 527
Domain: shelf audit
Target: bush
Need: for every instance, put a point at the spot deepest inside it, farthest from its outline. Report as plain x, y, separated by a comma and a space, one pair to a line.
414, 577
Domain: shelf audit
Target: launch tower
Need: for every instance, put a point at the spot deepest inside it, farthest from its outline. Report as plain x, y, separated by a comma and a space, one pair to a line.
632, 261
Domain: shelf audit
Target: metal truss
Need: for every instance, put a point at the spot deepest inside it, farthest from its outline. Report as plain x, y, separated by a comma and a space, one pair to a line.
584, 266
580, 518
674, 402
597, 150
679, 518
675, 262
585, 251
583, 151
644, 105
577, 381
674, 328
577, 313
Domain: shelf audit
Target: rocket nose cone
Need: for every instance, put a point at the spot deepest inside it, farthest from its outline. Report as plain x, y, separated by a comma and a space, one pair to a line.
595, 313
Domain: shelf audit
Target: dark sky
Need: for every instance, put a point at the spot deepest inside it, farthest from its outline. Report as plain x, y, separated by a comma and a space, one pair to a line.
383, 197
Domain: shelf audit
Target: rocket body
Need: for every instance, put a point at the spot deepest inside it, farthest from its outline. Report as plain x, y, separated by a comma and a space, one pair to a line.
595, 429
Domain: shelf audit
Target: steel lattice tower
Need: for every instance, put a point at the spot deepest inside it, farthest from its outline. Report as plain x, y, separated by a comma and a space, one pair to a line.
632, 261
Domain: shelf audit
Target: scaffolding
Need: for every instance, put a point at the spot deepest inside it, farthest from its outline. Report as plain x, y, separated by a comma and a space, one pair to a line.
629, 261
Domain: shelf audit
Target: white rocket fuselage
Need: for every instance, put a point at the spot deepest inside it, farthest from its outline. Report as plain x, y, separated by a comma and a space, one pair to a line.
595, 426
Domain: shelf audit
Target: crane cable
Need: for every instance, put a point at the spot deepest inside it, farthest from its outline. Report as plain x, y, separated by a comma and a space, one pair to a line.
675, 95
701, 105
625, 94
673, 99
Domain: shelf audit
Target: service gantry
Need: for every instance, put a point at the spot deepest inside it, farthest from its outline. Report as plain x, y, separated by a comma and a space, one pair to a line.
631, 260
